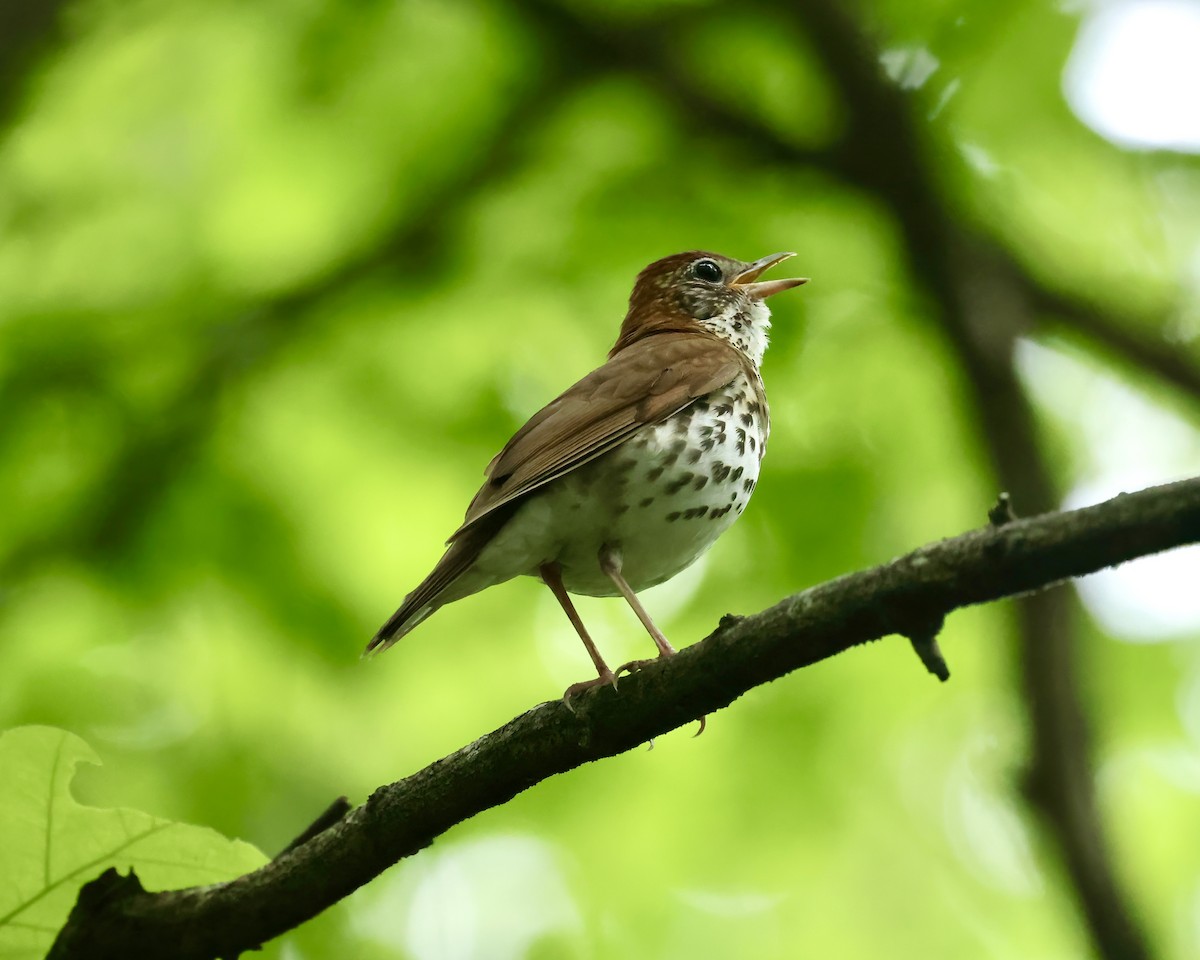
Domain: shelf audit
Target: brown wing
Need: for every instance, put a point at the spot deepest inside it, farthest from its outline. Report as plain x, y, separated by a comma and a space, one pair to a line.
644, 383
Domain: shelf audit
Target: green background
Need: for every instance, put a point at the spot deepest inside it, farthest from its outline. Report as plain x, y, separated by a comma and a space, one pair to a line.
278, 279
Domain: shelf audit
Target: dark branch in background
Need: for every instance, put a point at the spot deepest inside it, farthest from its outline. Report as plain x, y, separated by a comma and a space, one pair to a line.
604, 47
1168, 362
28, 29
115, 918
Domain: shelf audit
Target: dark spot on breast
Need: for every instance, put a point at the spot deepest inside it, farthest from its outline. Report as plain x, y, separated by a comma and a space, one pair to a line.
737, 474
717, 514
707, 445
622, 508
701, 405
678, 484
700, 482
646, 502
695, 513
748, 419
655, 474
719, 471
750, 440
673, 515
748, 484
733, 496
694, 455
678, 445
741, 441
723, 409
705, 431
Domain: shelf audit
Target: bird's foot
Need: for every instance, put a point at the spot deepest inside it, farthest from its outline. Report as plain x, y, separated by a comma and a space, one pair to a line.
608, 677
634, 665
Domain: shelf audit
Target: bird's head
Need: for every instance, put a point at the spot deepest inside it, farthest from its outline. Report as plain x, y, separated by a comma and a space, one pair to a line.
706, 291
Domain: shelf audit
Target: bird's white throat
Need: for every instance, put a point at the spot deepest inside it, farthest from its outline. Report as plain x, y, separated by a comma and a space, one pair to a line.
746, 327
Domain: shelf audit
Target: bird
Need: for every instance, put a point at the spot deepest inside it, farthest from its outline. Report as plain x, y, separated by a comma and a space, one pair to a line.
629, 476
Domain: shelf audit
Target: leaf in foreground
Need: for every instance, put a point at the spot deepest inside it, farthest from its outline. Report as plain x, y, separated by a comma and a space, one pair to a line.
50, 845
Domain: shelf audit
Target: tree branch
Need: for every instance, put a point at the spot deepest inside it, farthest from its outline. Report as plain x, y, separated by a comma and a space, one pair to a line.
115, 918
1171, 363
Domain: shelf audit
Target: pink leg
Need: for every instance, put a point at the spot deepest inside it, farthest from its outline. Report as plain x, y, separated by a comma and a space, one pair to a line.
610, 563
552, 577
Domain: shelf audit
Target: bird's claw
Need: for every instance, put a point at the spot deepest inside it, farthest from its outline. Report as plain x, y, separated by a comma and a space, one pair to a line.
635, 665
608, 677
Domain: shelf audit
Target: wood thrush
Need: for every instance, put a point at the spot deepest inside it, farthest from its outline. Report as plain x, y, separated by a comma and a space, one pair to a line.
631, 474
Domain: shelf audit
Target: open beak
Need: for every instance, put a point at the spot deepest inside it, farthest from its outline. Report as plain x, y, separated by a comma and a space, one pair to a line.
745, 281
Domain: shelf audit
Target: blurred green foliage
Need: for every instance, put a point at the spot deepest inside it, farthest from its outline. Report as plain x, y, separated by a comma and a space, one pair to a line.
277, 281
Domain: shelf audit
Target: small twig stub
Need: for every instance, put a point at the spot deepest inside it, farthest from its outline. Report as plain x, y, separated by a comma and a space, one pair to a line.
1002, 512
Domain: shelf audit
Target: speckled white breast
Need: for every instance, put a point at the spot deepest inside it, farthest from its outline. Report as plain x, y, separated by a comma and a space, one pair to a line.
663, 497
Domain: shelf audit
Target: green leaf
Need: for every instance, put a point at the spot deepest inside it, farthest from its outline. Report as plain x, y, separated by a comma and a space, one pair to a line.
50, 845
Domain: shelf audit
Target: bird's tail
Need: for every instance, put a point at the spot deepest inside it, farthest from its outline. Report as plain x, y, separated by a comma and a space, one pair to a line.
419, 604
444, 584
403, 621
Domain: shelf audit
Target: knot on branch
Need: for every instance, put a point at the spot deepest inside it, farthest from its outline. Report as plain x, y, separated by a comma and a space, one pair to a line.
1002, 512
329, 816
105, 889
97, 902
922, 632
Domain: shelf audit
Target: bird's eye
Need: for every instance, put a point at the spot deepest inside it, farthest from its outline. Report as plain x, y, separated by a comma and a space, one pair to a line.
706, 269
